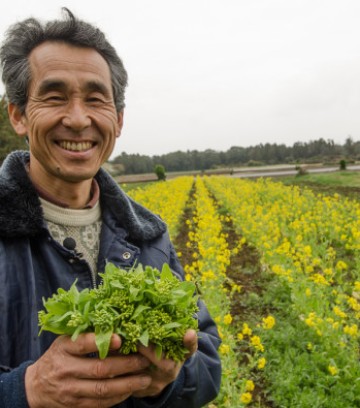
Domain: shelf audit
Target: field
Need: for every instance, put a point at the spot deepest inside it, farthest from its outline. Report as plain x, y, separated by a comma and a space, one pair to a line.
278, 266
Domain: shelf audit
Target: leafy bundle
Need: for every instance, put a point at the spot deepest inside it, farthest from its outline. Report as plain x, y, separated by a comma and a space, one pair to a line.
141, 305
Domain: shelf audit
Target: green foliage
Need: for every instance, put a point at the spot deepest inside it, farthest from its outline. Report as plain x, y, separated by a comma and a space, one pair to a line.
298, 376
142, 305
160, 172
9, 140
315, 151
343, 164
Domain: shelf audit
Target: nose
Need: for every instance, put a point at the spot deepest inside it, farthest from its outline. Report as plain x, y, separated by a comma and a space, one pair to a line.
76, 116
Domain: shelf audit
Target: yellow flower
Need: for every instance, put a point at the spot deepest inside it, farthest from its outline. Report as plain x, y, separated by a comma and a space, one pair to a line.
341, 266
246, 398
354, 304
240, 336
268, 322
351, 330
221, 334
261, 363
339, 312
328, 271
256, 342
228, 319
332, 370
320, 279
246, 330
236, 288
249, 386
224, 349
307, 250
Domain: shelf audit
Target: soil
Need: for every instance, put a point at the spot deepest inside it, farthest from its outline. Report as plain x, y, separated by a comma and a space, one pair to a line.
245, 271
346, 191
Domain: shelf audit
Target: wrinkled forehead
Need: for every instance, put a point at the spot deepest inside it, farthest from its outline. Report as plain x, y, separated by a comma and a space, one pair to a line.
57, 62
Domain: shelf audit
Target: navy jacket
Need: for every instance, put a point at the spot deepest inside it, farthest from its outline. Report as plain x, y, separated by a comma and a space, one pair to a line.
33, 266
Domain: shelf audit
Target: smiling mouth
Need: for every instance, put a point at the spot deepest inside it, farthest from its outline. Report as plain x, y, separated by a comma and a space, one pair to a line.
76, 146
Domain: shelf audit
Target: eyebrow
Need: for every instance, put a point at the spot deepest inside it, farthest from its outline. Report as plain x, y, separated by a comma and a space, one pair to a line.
49, 85
96, 86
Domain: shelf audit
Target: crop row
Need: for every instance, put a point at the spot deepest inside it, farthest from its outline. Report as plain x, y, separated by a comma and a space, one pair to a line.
306, 353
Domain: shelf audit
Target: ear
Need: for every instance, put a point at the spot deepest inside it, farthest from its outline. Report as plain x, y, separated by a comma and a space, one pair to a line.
17, 119
120, 123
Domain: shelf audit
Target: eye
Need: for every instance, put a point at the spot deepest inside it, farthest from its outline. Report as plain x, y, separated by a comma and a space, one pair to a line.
95, 99
56, 98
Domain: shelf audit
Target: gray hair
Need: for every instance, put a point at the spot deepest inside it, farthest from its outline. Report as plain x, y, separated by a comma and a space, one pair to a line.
24, 36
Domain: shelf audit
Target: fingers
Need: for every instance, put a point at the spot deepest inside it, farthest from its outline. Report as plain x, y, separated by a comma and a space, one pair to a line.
76, 363
110, 389
90, 393
110, 367
191, 342
65, 376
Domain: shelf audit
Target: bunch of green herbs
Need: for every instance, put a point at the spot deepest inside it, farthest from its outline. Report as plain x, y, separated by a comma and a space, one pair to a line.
142, 305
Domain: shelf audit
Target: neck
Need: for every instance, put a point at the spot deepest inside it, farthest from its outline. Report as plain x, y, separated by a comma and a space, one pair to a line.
74, 195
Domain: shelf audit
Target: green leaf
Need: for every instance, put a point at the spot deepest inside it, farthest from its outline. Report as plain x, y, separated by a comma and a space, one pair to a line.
139, 310
144, 338
173, 325
102, 340
133, 293
158, 351
80, 329
166, 273
56, 307
117, 285
73, 294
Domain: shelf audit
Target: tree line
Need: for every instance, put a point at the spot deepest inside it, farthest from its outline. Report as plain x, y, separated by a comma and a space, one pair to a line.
324, 151
9, 140
269, 153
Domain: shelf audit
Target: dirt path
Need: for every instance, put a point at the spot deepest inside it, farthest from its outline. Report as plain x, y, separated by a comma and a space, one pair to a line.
244, 270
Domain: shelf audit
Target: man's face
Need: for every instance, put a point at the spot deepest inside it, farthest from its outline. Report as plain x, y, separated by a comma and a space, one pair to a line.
70, 118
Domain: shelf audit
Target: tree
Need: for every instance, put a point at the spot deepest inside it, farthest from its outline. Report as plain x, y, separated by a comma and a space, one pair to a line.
9, 140
349, 146
160, 172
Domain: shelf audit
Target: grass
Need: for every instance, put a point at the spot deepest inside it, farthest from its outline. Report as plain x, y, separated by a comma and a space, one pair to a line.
335, 179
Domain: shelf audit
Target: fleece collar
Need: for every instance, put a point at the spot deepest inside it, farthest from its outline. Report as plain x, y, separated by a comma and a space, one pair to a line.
21, 212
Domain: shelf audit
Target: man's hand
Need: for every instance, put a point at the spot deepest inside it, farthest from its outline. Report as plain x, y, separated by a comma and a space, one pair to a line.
164, 371
66, 377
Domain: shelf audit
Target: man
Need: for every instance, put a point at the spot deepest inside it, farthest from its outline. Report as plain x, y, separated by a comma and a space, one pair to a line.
62, 218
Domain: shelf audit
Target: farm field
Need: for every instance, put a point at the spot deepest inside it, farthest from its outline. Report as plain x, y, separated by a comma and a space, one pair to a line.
279, 269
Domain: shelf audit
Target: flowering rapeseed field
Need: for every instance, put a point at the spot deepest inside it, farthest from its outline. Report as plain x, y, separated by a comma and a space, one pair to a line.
302, 349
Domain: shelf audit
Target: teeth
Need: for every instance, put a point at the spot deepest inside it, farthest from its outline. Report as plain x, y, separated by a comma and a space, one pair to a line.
76, 147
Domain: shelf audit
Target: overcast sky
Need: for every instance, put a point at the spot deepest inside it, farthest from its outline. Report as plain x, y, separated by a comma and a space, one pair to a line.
215, 74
